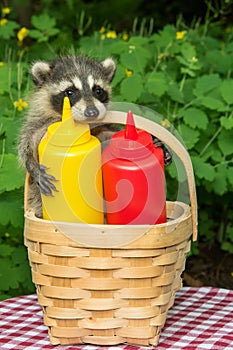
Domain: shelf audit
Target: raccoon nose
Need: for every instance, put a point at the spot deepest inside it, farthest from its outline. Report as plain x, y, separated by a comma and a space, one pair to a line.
91, 112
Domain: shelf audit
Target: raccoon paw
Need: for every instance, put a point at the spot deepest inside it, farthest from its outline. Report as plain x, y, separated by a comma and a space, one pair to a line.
166, 152
45, 184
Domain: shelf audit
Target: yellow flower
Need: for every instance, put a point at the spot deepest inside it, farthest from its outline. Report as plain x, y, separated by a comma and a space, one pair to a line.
22, 33
125, 36
160, 56
165, 123
111, 34
131, 48
102, 37
3, 21
1, 64
102, 30
20, 104
128, 73
194, 59
228, 29
180, 35
6, 10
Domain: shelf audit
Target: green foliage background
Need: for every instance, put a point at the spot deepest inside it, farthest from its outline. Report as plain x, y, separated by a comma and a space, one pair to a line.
182, 72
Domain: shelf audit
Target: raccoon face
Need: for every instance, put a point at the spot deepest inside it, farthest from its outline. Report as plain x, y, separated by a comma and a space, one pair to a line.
86, 82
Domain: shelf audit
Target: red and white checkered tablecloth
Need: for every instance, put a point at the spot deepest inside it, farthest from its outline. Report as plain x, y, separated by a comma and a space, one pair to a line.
201, 318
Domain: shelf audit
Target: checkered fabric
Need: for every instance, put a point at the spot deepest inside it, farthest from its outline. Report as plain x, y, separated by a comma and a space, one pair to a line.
201, 318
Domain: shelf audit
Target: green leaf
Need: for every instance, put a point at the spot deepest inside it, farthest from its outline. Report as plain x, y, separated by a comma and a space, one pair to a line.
226, 89
188, 51
181, 60
35, 34
206, 83
215, 154
53, 31
119, 76
157, 83
165, 36
8, 275
4, 74
230, 175
138, 40
227, 123
227, 246
43, 22
19, 255
11, 176
202, 169
132, 87
8, 30
6, 250
11, 130
14, 270
189, 136
220, 180
44, 27
117, 47
135, 58
188, 90
219, 61
11, 208
177, 170
225, 141
188, 71
22, 271
194, 117
212, 103
174, 92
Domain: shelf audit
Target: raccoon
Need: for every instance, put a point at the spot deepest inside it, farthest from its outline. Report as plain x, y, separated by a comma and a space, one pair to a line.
87, 83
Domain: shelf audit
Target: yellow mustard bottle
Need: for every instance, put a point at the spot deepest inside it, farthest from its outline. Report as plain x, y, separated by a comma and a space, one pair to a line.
73, 156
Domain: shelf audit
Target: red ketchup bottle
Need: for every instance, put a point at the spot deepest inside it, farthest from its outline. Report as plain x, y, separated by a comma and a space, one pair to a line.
133, 177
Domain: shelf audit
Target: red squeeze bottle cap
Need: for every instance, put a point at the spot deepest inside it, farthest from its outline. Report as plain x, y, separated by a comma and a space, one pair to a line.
130, 130
131, 143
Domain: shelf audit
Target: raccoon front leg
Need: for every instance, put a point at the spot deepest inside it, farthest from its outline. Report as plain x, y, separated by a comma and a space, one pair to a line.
166, 152
28, 154
45, 184
40, 177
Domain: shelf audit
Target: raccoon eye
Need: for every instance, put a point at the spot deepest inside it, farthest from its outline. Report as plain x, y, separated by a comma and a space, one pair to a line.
98, 91
69, 92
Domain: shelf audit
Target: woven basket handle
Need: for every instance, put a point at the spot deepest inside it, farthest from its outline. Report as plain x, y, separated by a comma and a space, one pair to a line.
170, 140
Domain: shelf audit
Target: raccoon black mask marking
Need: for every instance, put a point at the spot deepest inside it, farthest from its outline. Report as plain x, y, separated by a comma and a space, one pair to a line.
85, 81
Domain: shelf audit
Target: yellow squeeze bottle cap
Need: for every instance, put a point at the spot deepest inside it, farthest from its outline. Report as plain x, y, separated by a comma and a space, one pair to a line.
66, 111
68, 132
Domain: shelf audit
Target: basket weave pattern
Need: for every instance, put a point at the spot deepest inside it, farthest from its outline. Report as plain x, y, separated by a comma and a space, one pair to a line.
106, 296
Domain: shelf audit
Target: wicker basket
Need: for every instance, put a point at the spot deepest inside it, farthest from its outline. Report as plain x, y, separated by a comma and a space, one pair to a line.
107, 285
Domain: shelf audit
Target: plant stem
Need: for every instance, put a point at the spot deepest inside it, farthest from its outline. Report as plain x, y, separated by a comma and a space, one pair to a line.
9, 74
222, 226
3, 152
225, 162
210, 141
50, 48
182, 83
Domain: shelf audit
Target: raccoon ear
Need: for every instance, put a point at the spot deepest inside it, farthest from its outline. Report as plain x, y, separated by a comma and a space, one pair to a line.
109, 67
40, 72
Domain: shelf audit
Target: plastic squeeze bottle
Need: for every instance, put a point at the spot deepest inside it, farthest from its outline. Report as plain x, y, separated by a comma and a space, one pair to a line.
133, 176
73, 156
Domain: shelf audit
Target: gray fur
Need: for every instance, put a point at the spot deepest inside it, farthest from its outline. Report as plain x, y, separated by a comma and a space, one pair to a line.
87, 83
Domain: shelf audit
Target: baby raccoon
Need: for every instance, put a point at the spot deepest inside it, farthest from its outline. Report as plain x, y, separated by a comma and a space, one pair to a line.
87, 83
